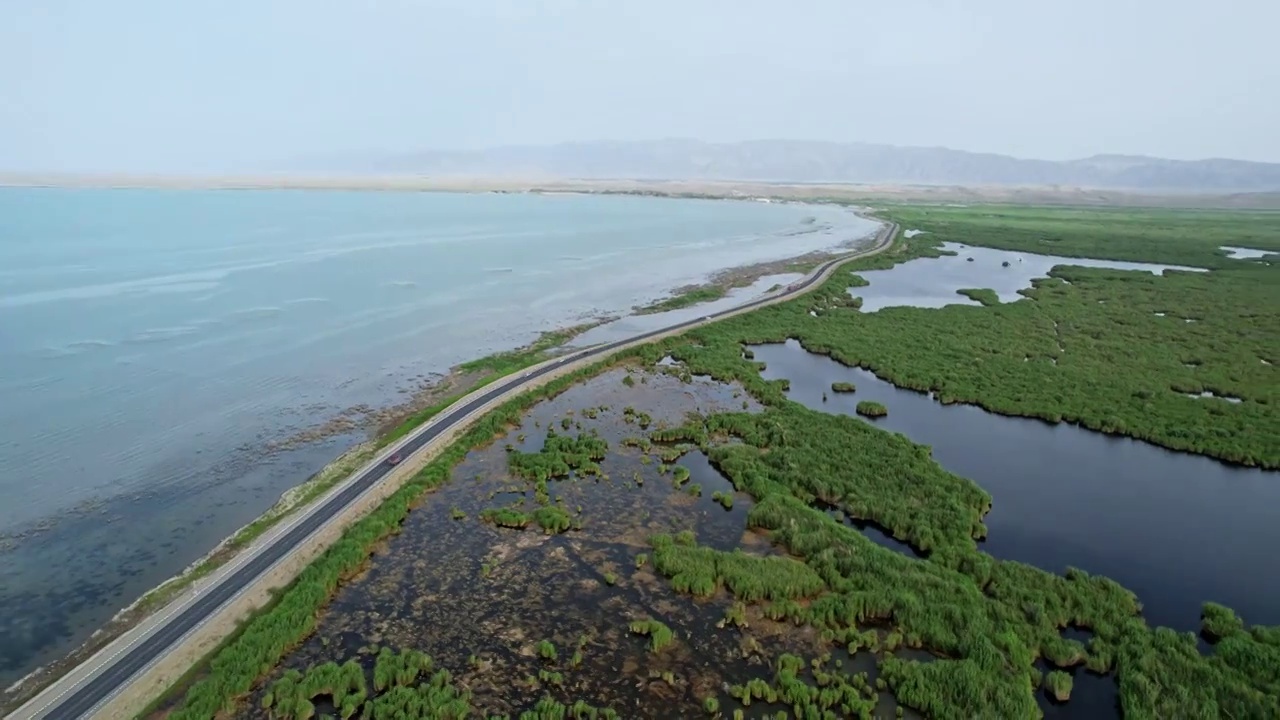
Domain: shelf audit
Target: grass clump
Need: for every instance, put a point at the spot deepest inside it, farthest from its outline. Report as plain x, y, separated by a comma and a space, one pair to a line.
404, 686
560, 455
679, 475
843, 387
547, 650
506, 517
699, 571
659, 634
1058, 684
692, 296
724, 498
832, 694
872, 409
552, 519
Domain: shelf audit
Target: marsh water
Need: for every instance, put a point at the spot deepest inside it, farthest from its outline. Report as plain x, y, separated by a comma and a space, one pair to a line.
1243, 253
1177, 529
933, 282
154, 342
477, 598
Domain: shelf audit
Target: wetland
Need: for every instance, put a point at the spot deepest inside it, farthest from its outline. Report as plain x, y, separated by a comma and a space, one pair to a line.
1042, 524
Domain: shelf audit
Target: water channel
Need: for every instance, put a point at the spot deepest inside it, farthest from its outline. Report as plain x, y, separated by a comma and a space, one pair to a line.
1177, 529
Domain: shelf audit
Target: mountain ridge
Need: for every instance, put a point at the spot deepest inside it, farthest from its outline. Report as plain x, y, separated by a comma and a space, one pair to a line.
807, 161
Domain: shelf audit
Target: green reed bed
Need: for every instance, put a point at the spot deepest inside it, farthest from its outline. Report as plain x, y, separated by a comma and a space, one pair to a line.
988, 619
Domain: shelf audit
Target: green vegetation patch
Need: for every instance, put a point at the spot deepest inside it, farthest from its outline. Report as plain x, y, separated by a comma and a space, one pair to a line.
984, 296
831, 695
1058, 684
267, 636
560, 455
872, 409
403, 686
987, 620
506, 517
494, 367
1111, 350
694, 296
701, 571
843, 387
659, 634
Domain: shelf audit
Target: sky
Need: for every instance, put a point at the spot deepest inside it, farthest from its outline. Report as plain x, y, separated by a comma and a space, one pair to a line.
254, 85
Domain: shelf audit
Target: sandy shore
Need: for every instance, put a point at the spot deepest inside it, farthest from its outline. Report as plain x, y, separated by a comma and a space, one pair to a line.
847, 192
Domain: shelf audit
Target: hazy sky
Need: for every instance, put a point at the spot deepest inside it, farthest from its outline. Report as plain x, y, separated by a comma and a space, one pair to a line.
165, 85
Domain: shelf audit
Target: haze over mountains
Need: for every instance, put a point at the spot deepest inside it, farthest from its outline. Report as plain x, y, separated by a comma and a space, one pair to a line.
826, 162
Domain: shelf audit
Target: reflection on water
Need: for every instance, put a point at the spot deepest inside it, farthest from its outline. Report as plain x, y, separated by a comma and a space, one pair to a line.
1177, 529
933, 282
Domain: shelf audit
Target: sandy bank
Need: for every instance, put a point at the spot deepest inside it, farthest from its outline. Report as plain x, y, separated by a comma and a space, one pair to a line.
846, 192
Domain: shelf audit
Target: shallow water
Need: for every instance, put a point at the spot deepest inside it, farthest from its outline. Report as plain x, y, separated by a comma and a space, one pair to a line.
1242, 253
461, 588
1177, 529
933, 282
458, 588
632, 325
153, 341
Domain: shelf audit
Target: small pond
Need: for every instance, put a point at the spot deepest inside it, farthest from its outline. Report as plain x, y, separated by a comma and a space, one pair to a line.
1177, 529
1243, 253
933, 282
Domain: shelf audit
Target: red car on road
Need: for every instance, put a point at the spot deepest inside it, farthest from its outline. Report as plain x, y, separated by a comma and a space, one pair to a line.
394, 459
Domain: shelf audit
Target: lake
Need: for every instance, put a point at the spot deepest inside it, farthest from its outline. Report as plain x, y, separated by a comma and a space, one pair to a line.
153, 342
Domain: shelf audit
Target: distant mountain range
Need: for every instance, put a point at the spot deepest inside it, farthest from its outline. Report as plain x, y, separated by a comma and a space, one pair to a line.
823, 162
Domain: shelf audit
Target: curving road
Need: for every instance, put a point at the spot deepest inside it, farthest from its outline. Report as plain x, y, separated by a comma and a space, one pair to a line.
88, 687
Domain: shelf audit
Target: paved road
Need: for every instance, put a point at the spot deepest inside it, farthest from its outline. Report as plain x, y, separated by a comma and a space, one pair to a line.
84, 696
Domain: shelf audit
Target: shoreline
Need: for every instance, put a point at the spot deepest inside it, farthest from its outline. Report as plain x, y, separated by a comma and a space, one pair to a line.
429, 399
389, 423
167, 674
720, 283
847, 192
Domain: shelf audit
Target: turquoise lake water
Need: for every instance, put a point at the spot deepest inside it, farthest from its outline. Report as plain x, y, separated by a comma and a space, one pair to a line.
153, 342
